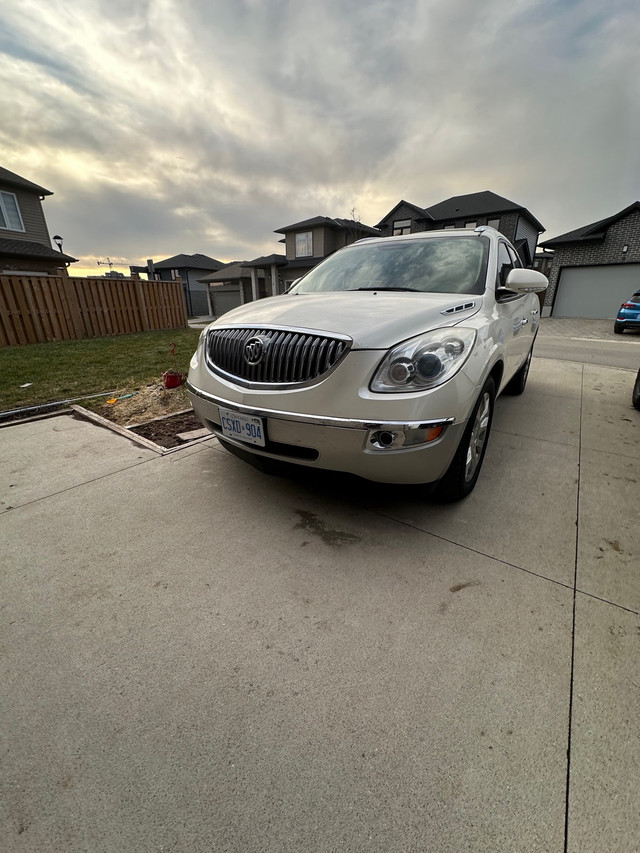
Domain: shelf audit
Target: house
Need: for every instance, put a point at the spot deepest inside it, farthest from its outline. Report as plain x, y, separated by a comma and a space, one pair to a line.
543, 261
306, 244
309, 241
231, 286
25, 245
190, 268
468, 211
595, 268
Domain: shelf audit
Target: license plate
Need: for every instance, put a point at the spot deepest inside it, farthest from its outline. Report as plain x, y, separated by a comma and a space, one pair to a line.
242, 427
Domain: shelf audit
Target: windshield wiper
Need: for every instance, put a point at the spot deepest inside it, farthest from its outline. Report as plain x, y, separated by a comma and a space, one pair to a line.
411, 289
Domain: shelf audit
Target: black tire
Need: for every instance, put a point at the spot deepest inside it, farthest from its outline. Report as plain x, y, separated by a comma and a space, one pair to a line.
462, 475
635, 398
518, 381
618, 328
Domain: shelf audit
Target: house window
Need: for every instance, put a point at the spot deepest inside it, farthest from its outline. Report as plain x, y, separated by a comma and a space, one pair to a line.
471, 225
10, 213
304, 244
400, 227
494, 223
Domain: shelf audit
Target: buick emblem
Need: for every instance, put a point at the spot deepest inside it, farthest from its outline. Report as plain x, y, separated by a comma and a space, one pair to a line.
255, 349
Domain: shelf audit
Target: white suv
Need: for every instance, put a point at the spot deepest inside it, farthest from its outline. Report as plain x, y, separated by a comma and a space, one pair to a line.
384, 360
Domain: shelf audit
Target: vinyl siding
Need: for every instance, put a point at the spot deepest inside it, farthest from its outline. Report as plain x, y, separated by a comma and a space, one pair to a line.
32, 216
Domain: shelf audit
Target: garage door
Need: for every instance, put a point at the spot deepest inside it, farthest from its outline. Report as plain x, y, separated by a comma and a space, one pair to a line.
224, 299
595, 292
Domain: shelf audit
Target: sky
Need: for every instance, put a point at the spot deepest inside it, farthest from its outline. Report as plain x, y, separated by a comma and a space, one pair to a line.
200, 126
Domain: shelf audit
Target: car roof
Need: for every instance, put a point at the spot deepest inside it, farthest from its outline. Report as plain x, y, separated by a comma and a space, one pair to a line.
481, 230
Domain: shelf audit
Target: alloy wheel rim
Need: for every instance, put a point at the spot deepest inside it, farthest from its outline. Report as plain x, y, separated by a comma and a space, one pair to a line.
478, 437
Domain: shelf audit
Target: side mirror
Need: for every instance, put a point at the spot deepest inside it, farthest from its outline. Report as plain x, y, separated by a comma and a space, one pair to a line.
526, 281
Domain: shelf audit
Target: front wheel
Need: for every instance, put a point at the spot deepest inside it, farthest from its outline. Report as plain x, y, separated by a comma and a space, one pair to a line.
463, 472
635, 399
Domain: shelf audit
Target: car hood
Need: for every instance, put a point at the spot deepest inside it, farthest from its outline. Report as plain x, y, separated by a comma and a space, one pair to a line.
375, 320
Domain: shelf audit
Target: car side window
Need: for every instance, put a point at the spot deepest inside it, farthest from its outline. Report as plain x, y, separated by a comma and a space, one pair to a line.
514, 257
505, 265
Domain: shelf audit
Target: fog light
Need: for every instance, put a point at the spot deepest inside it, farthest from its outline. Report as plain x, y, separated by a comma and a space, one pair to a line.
394, 439
383, 439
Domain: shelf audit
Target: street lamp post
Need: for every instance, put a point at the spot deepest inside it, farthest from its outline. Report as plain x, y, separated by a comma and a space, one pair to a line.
57, 239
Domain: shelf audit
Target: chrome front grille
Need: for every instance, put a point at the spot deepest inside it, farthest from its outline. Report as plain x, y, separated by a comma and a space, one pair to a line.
286, 356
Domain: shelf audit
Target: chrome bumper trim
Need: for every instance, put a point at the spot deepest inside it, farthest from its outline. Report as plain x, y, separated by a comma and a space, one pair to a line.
319, 420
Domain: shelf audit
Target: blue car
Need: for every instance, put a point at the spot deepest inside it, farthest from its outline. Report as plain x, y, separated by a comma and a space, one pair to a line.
628, 315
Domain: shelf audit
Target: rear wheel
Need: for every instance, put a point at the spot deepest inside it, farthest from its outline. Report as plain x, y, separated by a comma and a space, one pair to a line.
635, 399
463, 472
618, 328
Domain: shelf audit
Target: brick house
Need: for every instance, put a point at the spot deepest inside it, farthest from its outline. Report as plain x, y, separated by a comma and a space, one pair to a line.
468, 211
595, 268
25, 244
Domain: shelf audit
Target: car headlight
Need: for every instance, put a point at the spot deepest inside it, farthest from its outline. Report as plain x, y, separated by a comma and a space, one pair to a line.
197, 356
424, 362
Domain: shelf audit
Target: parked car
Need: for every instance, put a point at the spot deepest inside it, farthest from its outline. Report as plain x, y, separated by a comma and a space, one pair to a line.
383, 361
628, 315
635, 397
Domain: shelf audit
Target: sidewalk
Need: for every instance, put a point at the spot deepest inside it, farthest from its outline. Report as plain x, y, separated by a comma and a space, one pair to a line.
200, 322
553, 327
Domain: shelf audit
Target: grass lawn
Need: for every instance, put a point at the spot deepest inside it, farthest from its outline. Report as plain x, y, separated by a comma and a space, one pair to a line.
59, 371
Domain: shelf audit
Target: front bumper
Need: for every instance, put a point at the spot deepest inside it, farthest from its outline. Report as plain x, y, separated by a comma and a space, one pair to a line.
339, 444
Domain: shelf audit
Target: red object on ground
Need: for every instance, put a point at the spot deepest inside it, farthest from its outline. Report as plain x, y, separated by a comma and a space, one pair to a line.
172, 379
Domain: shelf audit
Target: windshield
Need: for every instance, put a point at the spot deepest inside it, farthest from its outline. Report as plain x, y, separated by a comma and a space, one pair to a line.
433, 265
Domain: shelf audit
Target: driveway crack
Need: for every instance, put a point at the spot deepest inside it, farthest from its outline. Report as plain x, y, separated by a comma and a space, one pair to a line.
573, 624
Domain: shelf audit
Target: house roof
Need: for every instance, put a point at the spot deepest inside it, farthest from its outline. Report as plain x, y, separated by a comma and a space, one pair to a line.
594, 231
329, 223
476, 204
229, 272
462, 206
266, 261
422, 214
29, 249
7, 177
192, 262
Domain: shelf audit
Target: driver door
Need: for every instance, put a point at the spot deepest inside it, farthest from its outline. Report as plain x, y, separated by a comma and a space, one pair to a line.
513, 315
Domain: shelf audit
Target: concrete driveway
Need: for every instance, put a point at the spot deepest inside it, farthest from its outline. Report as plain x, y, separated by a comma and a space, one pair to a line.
197, 657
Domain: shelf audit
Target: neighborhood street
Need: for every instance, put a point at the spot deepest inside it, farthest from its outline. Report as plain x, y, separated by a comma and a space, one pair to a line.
198, 657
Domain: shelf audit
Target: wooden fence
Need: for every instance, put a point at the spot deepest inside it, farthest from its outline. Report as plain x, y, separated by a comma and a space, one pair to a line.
35, 309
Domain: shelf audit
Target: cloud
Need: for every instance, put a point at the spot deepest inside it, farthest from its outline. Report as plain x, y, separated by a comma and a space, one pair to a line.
166, 127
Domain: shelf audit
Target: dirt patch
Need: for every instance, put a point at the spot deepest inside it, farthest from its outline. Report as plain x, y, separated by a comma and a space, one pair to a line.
153, 411
165, 431
130, 407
